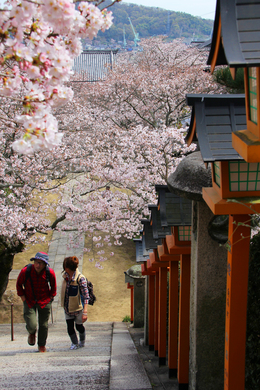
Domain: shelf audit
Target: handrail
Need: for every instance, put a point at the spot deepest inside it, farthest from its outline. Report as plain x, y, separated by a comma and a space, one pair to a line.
12, 322
12, 316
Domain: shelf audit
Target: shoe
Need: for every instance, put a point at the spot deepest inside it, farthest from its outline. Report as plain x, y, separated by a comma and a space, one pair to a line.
82, 344
42, 348
31, 338
74, 346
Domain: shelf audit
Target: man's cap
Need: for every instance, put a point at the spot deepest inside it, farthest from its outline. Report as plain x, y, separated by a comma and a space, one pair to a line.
41, 256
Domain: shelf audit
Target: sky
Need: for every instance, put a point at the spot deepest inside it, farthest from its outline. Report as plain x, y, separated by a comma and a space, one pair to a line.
203, 8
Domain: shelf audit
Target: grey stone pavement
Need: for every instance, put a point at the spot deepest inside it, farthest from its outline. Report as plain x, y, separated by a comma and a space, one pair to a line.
58, 250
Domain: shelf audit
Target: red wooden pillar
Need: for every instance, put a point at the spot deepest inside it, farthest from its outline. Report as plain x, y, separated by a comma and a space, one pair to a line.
162, 315
236, 302
131, 287
151, 310
151, 301
173, 318
184, 322
179, 250
132, 304
156, 313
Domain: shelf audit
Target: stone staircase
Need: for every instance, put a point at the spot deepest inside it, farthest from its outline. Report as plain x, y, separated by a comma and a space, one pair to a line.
109, 361
23, 367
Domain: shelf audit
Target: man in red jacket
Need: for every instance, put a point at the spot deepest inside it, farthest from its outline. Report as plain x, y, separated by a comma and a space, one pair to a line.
36, 285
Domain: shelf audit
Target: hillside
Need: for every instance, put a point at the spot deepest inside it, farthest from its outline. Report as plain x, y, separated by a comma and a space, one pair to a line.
150, 21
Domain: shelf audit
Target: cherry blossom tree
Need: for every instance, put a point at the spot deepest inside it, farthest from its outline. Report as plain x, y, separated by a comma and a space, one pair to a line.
113, 171
111, 156
148, 87
38, 43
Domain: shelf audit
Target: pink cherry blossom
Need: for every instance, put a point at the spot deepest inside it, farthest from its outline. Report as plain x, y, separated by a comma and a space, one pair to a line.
41, 40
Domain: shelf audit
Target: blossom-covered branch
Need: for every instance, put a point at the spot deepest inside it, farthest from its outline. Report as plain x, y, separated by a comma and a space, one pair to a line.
38, 43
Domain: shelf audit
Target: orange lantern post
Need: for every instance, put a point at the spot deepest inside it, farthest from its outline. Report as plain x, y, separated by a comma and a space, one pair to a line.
150, 243
236, 301
235, 192
177, 246
177, 211
229, 48
173, 318
158, 232
161, 311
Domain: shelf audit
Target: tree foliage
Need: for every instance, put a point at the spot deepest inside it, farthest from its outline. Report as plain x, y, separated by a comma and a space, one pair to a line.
151, 21
149, 87
38, 43
223, 76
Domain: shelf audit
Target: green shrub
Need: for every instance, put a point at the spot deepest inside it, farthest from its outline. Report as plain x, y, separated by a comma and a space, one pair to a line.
126, 319
223, 77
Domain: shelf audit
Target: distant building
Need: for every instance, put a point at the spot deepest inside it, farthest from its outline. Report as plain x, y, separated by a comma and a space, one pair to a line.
93, 65
202, 44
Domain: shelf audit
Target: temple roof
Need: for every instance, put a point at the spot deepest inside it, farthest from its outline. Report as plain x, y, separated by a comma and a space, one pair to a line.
214, 118
159, 231
238, 42
140, 250
174, 210
149, 241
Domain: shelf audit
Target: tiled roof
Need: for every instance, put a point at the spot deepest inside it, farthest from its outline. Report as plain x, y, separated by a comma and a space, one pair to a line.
217, 116
140, 256
240, 32
174, 210
93, 65
149, 241
159, 231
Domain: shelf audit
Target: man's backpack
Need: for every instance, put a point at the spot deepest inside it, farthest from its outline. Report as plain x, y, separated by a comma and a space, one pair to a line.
92, 297
28, 276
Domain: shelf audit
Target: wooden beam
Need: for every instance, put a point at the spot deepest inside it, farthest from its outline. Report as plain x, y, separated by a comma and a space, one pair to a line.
132, 304
156, 315
151, 311
236, 302
234, 206
184, 323
162, 316
173, 318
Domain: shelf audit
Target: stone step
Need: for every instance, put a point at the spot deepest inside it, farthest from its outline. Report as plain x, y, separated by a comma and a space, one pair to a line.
14, 274
109, 361
23, 367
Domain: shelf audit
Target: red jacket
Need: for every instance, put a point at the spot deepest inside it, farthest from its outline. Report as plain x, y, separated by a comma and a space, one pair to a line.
40, 291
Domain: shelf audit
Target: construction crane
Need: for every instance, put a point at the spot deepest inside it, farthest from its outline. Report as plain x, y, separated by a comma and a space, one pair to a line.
124, 41
168, 24
136, 35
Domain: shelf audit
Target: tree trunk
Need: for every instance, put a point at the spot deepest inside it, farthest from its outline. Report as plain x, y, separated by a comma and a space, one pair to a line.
6, 263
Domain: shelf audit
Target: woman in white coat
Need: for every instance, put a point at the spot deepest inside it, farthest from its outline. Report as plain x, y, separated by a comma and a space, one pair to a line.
74, 300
